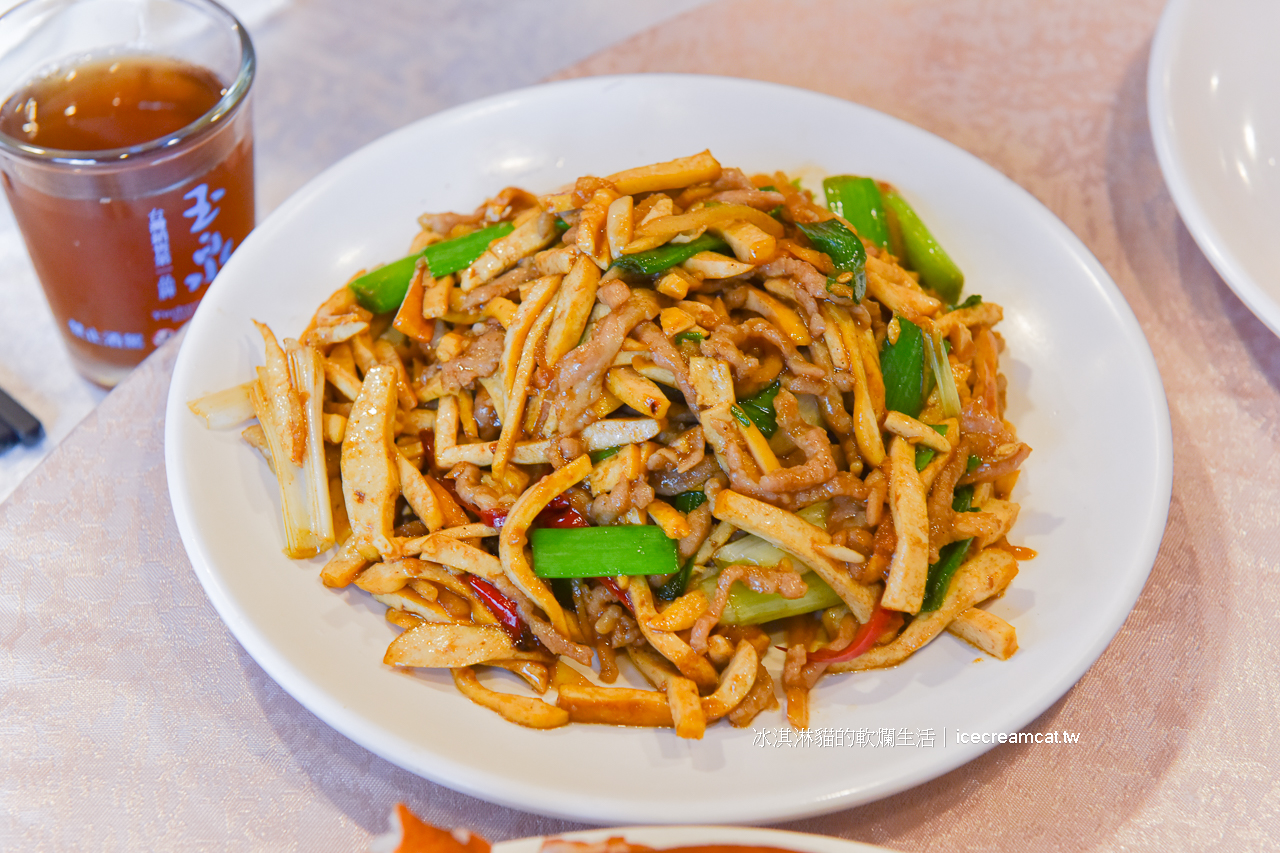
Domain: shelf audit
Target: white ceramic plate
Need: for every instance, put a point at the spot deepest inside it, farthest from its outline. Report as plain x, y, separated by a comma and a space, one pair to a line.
666, 837
1215, 118
1083, 389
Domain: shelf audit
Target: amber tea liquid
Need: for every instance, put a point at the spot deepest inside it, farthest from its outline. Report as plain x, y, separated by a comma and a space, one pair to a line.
125, 250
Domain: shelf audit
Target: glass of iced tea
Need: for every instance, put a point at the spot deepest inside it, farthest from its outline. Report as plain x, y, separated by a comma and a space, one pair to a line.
126, 153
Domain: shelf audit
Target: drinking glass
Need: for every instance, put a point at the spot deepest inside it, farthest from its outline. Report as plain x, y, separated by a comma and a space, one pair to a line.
126, 154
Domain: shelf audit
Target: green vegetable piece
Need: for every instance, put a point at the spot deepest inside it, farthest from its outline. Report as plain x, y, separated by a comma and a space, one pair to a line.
748, 607
962, 499
759, 409
598, 552
598, 456
858, 201
562, 589
940, 369
383, 289
687, 502
846, 252
668, 255
691, 337
902, 364
972, 464
924, 455
679, 582
922, 252
940, 573
973, 301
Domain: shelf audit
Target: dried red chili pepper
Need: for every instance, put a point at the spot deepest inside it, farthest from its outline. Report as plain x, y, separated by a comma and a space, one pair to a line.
503, 608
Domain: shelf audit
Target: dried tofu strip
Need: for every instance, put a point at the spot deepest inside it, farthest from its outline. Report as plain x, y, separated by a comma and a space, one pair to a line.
385, 353
419, 495
370, 482
345, 565
671, 175
445, 645
682, 613
986, 631
797, 537
636, 391
518, 393
909, 566
576, 298
524, 710
615, 706
451, 551
600, 435
540, 295
735, 682
915, 432
686, 710
342, 378
978, 579
512, 539
592, 239
715, 265
669, 645
841, 337
527, 239
625, 706
619, 225
667, 227
407, 600
751, 243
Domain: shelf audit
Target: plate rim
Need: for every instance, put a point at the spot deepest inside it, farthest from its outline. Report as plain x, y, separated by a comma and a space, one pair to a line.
673, 835
1177, 176
480, 783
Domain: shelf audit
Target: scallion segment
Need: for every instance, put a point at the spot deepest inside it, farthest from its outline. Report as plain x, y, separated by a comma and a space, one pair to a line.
948, 396
924, 455
667, 256
748, 607
598, 456
858, 201
759, 409
950, 557
922, 252
595, 552
677, 584
902, 365
383, 289
687, 502
847, 253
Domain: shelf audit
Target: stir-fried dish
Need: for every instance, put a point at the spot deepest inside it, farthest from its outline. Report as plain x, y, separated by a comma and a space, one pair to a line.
678, 415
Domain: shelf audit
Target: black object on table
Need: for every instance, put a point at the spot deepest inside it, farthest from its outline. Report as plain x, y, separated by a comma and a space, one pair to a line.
17, 424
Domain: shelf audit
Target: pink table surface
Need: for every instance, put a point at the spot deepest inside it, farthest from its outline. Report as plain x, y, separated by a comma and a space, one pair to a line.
130, 718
